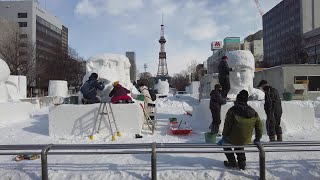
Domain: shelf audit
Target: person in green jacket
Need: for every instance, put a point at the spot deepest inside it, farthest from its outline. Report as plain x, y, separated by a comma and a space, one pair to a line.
240, 121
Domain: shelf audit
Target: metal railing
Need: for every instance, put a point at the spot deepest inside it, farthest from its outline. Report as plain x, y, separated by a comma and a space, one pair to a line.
154, 149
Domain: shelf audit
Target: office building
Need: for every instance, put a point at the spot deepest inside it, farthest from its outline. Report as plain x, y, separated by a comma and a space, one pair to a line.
43, 29
284, 26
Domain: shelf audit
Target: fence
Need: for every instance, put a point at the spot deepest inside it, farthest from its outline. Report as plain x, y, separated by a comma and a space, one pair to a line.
154, 149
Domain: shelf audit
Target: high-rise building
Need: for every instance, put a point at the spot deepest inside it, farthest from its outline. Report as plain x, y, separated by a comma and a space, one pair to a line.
43, 29
285, 24
133, 68
254, 43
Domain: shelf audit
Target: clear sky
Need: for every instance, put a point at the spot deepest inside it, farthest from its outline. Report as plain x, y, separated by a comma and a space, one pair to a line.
117, 26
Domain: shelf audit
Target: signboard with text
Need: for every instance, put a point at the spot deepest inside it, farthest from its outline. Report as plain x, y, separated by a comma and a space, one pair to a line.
216, 45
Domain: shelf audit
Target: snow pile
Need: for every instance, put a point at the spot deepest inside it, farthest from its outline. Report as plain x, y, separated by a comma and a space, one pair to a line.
317, 107
15, 112
17, 87
4, 75
162, 87
110, 68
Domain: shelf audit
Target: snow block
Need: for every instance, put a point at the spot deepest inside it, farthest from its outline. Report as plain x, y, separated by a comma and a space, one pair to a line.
58, 88
17, 87
14, 112
78, 120
297, 115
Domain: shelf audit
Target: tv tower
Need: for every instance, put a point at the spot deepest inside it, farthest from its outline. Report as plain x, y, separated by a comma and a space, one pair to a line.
162, 67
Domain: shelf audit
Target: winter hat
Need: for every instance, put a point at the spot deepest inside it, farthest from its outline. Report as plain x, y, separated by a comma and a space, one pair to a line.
141, 84
243, 96
262, 82
94, 75
217, 87
224, 57
115, 83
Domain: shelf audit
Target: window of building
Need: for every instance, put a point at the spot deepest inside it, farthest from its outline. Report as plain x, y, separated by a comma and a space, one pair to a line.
313, 82
22, 15
23, 36
23, 24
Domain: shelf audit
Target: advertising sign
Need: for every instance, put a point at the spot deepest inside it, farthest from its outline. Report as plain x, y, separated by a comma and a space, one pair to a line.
216, 45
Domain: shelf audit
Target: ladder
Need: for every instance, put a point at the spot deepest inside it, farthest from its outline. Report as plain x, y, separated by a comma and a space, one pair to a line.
105, 109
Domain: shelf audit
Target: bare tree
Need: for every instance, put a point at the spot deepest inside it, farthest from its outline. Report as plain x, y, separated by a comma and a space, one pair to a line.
258, 59
73, 67
294, 52
147, 79
180, 81
18, 51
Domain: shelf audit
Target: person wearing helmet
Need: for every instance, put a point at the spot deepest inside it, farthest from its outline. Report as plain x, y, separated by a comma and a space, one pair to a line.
119, 94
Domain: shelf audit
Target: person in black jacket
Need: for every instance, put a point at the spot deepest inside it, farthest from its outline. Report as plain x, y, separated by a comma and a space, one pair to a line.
273, 109
216, 100
91, 96
224, 80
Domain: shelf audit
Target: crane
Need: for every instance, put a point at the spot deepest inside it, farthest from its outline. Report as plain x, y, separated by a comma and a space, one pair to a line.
259, 7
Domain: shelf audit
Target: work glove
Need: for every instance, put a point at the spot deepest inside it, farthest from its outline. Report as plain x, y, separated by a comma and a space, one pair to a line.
256, 141
221, 142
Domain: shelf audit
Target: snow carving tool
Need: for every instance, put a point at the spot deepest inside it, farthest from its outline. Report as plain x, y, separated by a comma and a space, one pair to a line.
105, 109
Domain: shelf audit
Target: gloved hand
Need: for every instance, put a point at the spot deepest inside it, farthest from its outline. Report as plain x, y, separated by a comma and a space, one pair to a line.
221, 142
256, 141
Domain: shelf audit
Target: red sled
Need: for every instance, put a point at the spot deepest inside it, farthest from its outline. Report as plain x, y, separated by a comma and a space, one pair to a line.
181, 131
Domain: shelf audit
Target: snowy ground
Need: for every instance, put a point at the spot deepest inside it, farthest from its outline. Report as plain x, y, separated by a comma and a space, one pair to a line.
295, 165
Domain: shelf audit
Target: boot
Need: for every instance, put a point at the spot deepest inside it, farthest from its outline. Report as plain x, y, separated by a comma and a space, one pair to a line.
230, 164
242, 165
272, 138
279, 137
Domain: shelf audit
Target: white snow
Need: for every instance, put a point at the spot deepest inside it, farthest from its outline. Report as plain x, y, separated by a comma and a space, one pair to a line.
162, 87
17, 87
288, 165
58, 88
4, 75
69, 120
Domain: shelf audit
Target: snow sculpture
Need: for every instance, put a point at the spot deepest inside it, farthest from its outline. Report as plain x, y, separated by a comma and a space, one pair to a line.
162, 87
110, 68
17, 87
241, 76
58, 88
4, 75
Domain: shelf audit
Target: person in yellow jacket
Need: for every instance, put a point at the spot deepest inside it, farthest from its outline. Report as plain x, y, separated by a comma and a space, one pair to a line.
239, 123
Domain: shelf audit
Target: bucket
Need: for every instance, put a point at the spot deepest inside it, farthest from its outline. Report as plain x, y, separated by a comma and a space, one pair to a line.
140, 97
210, 137
287, 96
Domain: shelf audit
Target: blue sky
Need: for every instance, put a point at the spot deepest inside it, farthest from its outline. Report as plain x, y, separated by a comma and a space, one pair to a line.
117, 26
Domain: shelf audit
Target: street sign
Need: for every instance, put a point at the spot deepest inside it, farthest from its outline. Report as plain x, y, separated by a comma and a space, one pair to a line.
216, 45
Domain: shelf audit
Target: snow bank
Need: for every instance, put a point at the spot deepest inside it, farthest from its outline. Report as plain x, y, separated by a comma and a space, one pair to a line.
78, 120
296, 115
317, 107
14, 112
17, 87
162, 87
58, 88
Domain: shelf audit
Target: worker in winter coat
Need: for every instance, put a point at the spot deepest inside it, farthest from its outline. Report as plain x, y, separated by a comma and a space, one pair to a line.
148, 103
119, 94
216, 100
224, 80
273, 109
89, 89
240, 121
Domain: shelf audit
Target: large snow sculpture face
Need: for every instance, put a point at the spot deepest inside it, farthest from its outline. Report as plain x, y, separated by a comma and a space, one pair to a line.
4, 75
110, 68
242, 74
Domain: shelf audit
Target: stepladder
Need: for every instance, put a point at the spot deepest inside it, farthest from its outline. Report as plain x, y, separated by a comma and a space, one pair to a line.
105, 114
149, 119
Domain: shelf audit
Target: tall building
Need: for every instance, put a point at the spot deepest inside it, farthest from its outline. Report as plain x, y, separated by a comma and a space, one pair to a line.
254, 43
285, 24
43, 29
133, 68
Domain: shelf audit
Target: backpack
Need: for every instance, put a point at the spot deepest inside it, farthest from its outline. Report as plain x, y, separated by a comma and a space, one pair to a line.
85, 88
152, 94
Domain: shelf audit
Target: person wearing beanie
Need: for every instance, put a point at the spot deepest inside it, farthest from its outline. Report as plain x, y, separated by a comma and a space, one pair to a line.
240, 121
89, 89
119, 94
224, 80
216, 100
273, 109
